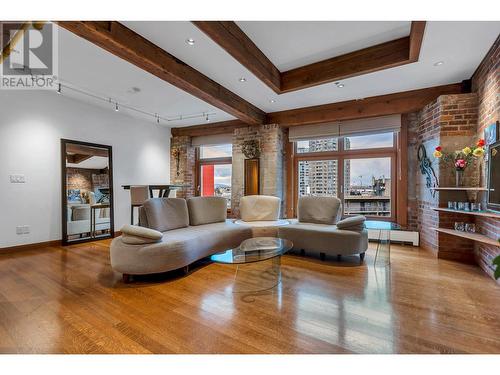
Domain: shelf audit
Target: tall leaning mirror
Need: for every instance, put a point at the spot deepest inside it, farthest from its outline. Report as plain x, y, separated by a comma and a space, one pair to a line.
87, 191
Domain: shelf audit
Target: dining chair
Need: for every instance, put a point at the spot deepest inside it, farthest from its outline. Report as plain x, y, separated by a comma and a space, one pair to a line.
138, 195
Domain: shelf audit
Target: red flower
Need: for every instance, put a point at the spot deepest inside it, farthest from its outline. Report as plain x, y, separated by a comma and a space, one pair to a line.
460, 163
438, 148
480, 143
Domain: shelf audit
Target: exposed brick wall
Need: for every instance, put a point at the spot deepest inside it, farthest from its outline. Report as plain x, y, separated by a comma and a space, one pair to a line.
486, 84
449, 121
182, 167
270, 138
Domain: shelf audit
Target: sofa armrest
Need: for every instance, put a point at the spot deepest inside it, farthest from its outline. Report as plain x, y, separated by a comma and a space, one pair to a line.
135, 235
354, 223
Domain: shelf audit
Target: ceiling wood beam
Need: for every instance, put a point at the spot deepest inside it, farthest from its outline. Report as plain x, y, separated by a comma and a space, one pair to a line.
76, 149
231, 38
383, 105
386, 55
222, 127
132, 47
416, 37
367, 60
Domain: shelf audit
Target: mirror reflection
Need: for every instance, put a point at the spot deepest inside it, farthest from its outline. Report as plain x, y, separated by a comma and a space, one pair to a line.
87, 191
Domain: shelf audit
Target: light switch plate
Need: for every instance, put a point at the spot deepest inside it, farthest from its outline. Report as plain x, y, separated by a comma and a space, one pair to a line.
17, 179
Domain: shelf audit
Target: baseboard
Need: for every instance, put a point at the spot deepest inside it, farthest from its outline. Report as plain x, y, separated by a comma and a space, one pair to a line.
30, 246
397, 236
37, 245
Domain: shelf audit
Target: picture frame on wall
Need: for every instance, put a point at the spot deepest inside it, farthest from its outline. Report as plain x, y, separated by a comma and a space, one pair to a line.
491, 136
491, 133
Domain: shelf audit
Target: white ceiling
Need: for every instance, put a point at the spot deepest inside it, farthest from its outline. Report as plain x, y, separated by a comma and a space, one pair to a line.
461, 45
293, 44
88, 67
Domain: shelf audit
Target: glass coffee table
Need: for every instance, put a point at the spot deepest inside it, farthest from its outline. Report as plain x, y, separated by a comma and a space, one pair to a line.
384, 228
258, 263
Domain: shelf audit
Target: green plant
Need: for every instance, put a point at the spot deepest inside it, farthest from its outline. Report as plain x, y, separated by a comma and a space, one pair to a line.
496, 262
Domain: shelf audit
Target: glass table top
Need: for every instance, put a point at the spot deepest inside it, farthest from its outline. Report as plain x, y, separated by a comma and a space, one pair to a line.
382, 225
254, 250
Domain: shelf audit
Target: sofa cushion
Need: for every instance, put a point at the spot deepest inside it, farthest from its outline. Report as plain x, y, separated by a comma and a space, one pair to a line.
259, 207
319, 210
206, 210
147, 233
135, 240
356, 223
163, 214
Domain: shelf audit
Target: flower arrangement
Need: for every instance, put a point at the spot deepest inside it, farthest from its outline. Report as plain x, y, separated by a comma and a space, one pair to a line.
461, 158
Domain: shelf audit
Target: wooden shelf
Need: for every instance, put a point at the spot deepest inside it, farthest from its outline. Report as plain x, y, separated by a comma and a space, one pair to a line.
470, 236
475, 213
460, 188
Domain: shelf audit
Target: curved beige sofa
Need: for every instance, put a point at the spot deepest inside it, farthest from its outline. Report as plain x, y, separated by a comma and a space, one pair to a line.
318, 229
174, 234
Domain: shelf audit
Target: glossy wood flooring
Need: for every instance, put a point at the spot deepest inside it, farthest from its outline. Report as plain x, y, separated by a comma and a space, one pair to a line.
68, 300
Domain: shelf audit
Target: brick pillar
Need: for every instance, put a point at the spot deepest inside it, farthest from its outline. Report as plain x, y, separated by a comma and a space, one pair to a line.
182, 165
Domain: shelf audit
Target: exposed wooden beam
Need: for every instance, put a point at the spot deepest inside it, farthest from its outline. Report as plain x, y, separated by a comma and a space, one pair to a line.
132, 47
367, 60
383, 105
416, 36
230, 37
222, 127
76, 149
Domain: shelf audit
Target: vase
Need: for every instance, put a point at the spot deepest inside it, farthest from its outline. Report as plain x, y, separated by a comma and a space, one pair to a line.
459, 178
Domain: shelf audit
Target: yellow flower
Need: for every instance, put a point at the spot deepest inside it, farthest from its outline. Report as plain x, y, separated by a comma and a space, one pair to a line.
437, 154
467, 150
478, 152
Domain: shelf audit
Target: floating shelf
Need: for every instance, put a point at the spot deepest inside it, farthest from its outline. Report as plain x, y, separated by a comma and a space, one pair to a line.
475, 213
460, 188
470, 236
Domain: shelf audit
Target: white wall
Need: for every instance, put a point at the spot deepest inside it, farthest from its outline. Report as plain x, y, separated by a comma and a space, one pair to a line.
31, 126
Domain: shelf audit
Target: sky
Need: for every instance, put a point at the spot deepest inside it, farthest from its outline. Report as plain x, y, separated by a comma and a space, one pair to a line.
367, 168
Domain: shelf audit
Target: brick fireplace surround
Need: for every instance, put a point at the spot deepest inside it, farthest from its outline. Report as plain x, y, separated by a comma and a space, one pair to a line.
451, 120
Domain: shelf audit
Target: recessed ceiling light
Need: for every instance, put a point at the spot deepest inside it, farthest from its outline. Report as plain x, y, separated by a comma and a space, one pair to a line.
190, 41
439, 63
242, 79
272, 101
339, 85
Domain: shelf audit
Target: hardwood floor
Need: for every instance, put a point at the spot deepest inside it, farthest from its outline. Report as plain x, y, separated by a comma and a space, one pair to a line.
68, 300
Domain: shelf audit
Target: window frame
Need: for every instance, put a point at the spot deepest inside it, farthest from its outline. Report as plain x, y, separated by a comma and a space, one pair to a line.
340, 155
199, 162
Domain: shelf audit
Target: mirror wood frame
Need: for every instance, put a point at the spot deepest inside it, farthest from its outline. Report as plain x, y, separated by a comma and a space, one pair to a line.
64, 199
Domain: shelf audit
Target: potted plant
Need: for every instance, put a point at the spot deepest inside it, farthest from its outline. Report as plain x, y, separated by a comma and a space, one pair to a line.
461, 158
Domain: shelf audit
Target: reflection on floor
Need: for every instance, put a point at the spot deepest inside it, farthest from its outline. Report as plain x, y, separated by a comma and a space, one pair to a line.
68, 300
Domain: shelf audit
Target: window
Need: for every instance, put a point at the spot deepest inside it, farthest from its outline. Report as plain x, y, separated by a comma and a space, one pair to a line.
317, 145
218, 151
317, 177
360, 142
214, 171
360, 170
367, 186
